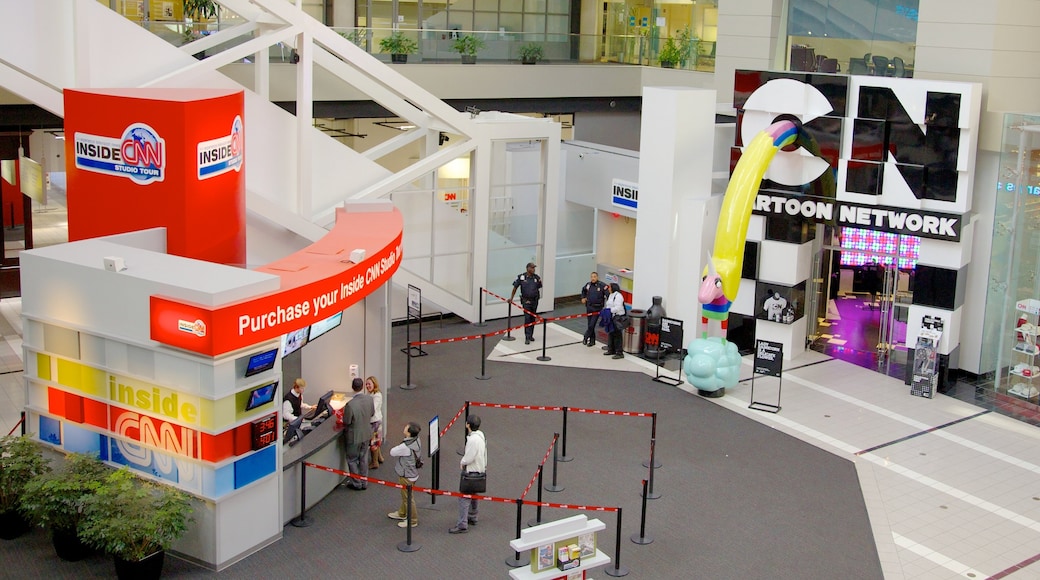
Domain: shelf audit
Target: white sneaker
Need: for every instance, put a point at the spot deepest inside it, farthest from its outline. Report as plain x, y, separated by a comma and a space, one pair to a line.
395, 516
405, 524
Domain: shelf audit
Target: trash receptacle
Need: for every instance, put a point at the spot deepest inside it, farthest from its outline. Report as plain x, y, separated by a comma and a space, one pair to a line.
632, 337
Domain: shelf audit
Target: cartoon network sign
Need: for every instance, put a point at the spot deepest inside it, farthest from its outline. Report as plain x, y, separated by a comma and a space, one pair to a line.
900, 143
317, 282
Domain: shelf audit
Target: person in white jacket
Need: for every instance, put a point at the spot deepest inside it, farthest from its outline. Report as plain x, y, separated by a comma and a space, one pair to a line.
474, 461
616, 304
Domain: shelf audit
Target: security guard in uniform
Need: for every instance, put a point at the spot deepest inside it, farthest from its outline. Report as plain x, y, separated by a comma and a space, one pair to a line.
593, 296
530, 285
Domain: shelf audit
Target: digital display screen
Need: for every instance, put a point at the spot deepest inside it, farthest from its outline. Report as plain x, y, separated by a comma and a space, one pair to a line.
294, 341
320, 328
262, 396
860, 246
259, 363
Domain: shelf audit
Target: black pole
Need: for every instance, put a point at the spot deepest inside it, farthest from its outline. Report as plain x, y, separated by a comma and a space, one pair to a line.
483, 376
641, 538
462, 450
408, 369
509, 322
556, 458
302, 521
544, 357
651, 494
435, 477
23, 422
653, 436
407, 545
538, 510
516, 562
480, 310
618, 570
563, 440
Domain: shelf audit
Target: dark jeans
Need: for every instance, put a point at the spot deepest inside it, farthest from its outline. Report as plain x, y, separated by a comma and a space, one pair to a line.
590, 332
530, 306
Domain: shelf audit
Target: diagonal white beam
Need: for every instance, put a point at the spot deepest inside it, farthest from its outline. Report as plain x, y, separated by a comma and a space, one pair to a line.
210, 40
230, 55
32, 89
377, 91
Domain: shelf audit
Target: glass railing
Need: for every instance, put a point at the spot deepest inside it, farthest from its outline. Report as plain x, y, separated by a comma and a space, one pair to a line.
432, 46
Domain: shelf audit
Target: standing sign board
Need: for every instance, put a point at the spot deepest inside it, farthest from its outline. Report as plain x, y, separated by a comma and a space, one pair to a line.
670, 340
769, 360
925, 375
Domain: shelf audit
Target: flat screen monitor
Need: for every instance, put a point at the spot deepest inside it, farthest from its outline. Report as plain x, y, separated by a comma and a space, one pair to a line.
294, 341
293, 432
261, 362
322, 408
262, 395
320, 328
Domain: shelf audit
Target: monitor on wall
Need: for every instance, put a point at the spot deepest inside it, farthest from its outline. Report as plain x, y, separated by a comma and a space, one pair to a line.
320, 328
294, 340
261, 362
262, 395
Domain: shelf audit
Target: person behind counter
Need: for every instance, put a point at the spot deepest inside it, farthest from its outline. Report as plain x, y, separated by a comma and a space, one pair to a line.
357, 424
292, 403
407, 453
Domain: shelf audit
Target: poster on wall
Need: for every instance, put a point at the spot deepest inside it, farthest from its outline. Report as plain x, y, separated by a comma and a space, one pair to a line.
925, 375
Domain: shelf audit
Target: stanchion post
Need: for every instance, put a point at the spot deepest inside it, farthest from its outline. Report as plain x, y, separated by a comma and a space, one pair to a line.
302, 521
653, 436
509, 322
650, 494
618, 570
556, 458
538, 510
563, 440
408, 370
480, 310
435, 477
23, 422
641, 538
516, 562
407, 545
544, 356
483, 376
465, 417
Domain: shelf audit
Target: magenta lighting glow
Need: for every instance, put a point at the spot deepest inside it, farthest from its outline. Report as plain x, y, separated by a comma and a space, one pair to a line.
860, 246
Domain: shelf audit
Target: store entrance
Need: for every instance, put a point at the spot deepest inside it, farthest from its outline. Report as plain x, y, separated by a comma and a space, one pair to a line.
861, 290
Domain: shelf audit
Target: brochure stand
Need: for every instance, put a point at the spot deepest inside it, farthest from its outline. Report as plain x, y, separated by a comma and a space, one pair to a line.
671, 340
925, 376
562, 549
769, 361
414, 311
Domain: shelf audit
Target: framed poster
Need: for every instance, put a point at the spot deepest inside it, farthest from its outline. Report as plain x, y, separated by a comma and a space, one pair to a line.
587, 543
546, 557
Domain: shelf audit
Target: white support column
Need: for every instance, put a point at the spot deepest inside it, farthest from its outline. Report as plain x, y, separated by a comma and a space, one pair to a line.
304, 122
675, 218
262, 72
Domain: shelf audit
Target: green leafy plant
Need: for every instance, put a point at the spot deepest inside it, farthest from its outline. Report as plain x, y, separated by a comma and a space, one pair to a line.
398, 43
530, 52
199, 9
55, 499
356, 36
131, 518
671, 53
467, 45
20, 461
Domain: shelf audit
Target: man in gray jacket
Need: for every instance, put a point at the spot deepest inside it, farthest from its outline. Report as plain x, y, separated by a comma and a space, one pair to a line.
357, 425
407, 471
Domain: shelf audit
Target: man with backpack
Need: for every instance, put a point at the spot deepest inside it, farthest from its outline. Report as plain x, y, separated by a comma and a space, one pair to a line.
409, 460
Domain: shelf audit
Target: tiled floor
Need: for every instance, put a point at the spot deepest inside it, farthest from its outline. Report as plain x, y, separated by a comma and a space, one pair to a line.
951, 488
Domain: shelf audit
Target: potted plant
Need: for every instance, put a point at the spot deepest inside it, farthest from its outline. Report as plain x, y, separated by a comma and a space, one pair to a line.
467, 45
671, 53
55, 500
20, 461
530, 53
356, 36
135, 521
196, 10
399, 46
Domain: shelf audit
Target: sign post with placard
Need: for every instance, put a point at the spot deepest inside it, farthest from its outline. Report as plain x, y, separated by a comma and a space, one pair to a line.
414, 311
671, 339
769, 361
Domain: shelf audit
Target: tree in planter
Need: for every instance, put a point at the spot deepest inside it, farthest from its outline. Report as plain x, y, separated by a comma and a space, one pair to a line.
56, 499
670, 54
399, 46
530, 53
20, 461
135, 521
467, 45
196, 10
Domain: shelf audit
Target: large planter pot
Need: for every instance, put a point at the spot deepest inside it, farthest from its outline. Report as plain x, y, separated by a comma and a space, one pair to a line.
12, 525
68, 546
528, 61
399, 58
667, 64
469, 59
148, 569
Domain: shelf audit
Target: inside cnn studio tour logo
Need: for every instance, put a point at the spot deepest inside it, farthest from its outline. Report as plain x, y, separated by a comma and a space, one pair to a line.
139, 154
